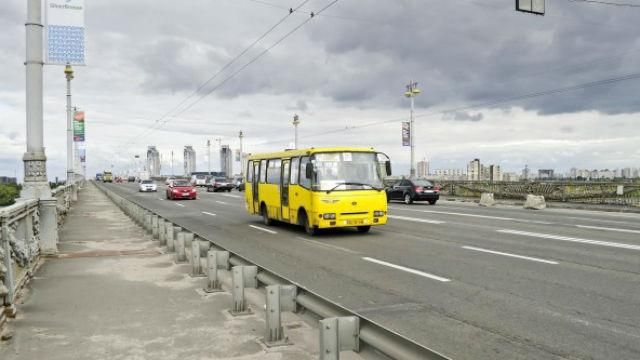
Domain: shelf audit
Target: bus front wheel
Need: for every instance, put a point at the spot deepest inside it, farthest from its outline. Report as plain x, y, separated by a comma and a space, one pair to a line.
307, 225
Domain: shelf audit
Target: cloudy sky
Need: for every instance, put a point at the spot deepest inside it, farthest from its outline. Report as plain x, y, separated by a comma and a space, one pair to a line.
344, 73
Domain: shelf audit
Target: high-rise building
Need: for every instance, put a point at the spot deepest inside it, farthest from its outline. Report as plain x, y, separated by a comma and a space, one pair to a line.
526, 173
226, 160
153, 161
545, 174
423, 168
494, 173
474, 169
189, 160
626, 173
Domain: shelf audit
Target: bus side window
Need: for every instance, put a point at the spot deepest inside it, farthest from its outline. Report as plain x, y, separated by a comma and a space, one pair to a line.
295, 170
249, 171
303, 179
273, 171
263, 171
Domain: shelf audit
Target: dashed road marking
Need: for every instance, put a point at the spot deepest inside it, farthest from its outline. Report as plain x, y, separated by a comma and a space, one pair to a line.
511, 255
609, 229
222, 202
476, 216
330, 246
229, 195
178, 204
409, 270
565, 238
208, 213
263, 229
415, 219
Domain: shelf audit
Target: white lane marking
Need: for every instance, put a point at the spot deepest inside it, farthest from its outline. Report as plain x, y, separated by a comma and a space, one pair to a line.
208, 213
415, 219
263, 229
565, 238
475, 215
179, 205
510, 255
330, 246
160, 199
222, 202
229, 195
609, 229
409, 270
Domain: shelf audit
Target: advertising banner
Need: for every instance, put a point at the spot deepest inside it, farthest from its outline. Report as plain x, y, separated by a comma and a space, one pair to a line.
64, 32
78, 126
406, 133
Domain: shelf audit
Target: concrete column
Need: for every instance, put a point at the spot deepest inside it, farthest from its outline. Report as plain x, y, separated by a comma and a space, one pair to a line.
195, 257
6, 268
147, 221
48, 226
169, 230
35, 185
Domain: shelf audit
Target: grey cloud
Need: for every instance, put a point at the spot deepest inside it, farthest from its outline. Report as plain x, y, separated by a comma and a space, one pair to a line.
300, 105
463, 116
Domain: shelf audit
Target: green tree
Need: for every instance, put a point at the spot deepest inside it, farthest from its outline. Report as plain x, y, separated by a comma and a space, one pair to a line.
8, 194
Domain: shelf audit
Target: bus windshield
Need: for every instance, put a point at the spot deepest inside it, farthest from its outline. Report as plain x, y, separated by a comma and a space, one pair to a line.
346, 171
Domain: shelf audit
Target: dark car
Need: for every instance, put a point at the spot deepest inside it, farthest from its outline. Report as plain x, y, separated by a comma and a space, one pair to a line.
413, 190
219, 184
181, 189
131, 179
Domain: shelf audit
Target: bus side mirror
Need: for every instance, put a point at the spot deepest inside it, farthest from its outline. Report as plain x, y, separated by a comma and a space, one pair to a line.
387, 165
309, 170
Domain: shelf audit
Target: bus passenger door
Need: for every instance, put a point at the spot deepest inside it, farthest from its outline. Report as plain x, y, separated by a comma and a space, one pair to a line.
255, 187
284, 190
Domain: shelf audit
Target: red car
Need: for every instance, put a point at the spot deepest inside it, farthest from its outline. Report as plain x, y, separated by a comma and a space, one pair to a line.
181, 189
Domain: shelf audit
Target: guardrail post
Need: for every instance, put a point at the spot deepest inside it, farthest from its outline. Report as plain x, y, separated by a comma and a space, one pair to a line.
215, 260
242, 276
279, 298
162, 232
188, 240
7, 288
196, 270
337, 334
147, 221
154, 226
172, 243
169, 237
181, 256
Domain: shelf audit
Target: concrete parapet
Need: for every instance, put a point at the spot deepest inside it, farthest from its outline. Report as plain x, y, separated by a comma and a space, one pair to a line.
486, 200
535, 202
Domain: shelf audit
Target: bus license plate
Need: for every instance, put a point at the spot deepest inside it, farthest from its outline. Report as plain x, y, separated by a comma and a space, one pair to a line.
355, 222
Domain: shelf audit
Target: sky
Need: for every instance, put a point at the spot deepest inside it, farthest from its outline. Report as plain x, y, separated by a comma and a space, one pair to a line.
506, 87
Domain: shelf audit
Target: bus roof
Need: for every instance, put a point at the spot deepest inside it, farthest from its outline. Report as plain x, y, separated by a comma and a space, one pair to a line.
308, 151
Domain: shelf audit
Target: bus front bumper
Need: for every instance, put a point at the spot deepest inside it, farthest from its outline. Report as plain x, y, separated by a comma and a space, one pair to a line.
349, 221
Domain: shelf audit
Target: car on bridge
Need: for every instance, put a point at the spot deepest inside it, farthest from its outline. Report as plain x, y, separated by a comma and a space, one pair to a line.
147, 186
219, 184
181, 189
410, 190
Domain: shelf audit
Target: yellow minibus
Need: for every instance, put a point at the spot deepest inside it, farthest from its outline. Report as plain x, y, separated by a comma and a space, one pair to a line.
319, 188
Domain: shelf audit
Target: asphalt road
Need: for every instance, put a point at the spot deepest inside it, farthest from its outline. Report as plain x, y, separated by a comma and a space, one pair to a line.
469, 282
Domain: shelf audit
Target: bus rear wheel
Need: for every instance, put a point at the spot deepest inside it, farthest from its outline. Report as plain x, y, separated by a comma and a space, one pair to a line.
364, 229
265, 215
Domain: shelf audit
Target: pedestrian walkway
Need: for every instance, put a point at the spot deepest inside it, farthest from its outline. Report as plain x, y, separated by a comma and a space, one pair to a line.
112, 293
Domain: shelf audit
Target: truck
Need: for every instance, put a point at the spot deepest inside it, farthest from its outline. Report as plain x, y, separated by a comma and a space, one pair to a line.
107, 177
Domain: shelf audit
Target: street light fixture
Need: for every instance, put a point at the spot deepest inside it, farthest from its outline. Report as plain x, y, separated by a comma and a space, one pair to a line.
411, 93
296, 122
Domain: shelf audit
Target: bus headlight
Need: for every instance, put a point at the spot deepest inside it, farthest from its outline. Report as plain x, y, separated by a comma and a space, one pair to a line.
378, 213
329, 216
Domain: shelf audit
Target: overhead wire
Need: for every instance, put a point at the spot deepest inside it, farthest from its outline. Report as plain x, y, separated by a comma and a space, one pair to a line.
610, 3
490, 103
205, 83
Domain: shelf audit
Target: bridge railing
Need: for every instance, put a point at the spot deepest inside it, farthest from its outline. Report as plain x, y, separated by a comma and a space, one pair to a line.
29, 229
606, 193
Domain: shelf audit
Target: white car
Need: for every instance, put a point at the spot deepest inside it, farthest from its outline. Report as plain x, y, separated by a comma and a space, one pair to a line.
169, 180
147, 185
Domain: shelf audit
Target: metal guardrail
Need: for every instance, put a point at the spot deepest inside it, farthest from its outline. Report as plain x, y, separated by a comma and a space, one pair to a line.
604, 193
21, 231
186, 243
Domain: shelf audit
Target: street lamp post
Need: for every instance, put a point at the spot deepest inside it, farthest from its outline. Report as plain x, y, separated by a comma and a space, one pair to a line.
411, 93
209, 154
241, 135
296, 122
